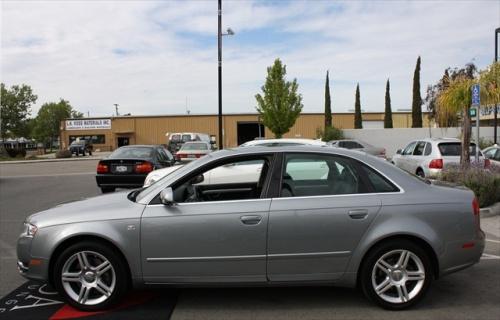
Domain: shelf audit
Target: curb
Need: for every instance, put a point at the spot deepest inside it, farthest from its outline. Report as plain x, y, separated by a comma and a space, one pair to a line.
491, 211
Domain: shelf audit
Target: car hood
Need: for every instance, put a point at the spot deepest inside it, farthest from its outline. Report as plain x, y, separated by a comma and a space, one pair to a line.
105, 207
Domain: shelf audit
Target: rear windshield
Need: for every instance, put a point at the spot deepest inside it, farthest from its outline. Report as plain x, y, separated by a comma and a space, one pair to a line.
194, 146
454, 148
132, 153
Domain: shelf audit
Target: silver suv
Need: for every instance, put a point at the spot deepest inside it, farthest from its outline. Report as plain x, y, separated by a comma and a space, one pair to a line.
427, 157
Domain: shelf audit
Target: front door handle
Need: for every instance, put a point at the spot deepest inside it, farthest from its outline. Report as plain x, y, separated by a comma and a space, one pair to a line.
358, 213
252, 220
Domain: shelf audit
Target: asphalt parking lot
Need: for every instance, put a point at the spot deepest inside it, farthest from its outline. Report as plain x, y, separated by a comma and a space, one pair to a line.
26, 188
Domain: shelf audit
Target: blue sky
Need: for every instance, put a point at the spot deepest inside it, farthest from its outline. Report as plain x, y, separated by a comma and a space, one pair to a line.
152, 57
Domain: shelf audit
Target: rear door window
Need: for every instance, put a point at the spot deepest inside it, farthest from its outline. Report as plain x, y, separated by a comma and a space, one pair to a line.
419, 149
428, 149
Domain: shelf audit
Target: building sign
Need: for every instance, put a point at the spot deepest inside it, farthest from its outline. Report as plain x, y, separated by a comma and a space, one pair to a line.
88, 124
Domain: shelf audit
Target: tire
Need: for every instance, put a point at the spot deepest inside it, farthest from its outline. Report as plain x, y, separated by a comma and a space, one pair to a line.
396, 291
107, 189
83, 287
420, 173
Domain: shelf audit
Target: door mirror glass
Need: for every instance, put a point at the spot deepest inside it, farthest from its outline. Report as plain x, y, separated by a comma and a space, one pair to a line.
399, 151
167, 196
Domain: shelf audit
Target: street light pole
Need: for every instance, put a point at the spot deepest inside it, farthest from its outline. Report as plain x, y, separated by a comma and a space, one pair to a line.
219, 40
495, 111
219, 44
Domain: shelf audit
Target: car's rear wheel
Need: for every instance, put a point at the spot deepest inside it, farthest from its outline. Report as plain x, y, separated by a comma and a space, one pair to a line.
396, 274
420, 173
90, 276
107, 189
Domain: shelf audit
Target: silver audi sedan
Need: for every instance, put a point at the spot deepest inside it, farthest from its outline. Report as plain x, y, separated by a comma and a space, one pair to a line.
311, 215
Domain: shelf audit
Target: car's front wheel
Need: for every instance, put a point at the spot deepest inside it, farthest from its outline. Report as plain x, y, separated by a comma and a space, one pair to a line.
90, 276
396, 274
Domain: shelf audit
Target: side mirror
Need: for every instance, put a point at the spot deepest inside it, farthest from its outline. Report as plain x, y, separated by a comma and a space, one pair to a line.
167, 196
399, 151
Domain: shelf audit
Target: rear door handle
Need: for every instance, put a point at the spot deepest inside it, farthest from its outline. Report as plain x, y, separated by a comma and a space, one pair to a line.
251, 220
358, 213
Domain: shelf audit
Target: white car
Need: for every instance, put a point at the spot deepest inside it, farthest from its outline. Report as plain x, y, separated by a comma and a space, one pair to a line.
493, 154
283, 142
427, 157
246, 171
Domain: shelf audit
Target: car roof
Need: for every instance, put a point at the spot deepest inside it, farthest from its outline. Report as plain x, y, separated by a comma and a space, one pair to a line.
142, 146
291, 140
198, 141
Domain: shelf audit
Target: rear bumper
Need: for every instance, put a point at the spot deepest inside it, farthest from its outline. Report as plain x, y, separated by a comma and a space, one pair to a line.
120, 181
462, 254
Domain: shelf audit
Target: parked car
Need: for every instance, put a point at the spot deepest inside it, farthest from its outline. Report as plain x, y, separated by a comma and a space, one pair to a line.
128, 166
193, 150
427, 157
360, 221
493, 154
282, 142
358, 145
81, 146
177, 139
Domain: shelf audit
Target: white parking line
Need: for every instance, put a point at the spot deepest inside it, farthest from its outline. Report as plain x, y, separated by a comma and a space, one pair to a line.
486, 256
494, 241
49, 175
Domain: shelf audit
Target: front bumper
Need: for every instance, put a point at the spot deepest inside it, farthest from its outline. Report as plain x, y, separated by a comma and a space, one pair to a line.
30, 267
120, 181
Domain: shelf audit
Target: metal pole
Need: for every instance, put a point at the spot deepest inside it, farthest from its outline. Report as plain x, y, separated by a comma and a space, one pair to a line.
477, 135
219, 40
495, 107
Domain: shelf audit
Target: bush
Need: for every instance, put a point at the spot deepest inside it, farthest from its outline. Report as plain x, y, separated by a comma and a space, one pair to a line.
331, 133
19, 153
484, 143
63, 154
485, 183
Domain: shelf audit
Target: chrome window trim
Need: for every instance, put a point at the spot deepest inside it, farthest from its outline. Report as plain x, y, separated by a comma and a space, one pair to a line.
205, 202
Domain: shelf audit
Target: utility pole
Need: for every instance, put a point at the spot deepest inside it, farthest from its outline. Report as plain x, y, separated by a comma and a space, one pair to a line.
495, 107
116, 109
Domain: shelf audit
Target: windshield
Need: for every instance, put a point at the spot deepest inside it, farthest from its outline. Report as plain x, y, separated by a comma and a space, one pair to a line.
132, 153
194, 146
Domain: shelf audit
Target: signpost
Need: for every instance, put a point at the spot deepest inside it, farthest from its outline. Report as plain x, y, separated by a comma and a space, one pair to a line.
476, 102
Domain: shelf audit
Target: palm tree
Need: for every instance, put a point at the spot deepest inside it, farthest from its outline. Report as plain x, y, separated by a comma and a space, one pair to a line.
456, 98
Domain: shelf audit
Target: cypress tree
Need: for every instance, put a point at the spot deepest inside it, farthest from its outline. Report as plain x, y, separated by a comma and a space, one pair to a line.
358, 123
416, 107
388, 110
328, 103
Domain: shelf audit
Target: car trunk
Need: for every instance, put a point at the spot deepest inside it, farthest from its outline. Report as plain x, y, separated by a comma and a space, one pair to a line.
123, 166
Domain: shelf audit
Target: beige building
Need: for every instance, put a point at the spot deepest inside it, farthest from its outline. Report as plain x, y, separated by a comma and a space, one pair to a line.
108, 133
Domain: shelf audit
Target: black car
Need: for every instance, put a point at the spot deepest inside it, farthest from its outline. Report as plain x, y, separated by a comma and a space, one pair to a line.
128, 166
80, 147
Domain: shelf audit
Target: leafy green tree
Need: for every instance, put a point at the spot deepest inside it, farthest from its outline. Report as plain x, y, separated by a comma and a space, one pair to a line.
48, 120
14, 109
388, 110
416, 107
281, 104
328, 103
358, 121
456, 98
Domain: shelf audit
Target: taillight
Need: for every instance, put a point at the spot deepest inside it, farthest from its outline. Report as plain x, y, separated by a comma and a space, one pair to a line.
144, 167
476, 211
199, 155
436, 164
487, 163
102, 168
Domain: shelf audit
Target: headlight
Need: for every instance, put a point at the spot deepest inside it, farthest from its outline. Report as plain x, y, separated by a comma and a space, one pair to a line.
30, 229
